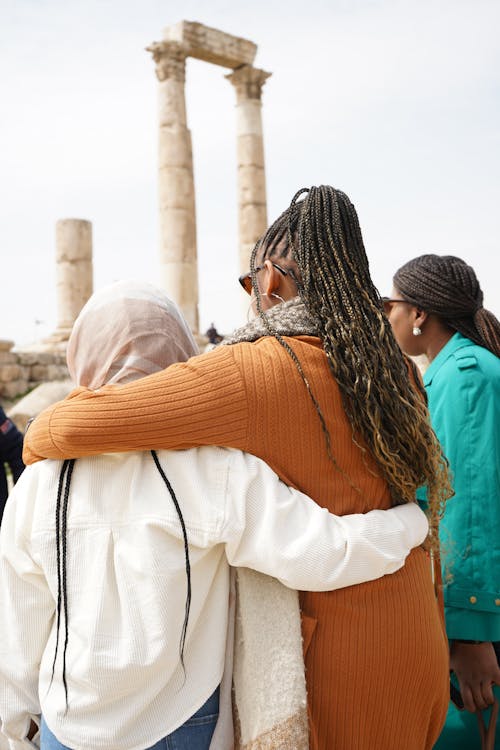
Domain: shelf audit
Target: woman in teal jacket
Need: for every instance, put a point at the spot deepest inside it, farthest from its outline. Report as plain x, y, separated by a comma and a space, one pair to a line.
436, 308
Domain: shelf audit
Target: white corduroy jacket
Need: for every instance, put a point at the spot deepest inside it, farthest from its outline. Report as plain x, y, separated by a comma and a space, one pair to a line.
126, 584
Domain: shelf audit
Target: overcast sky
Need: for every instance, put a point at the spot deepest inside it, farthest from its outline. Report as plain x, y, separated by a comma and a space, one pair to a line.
397, 103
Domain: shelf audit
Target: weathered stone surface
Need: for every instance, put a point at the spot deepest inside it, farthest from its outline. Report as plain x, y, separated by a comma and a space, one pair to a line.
73, 273
28, 358
9, 372
8, 358
171, 104
175, 149
42, 373
14, 388
177, 225
176, 188
180, 283
253, 222
248, 82
57, 372
6, 345
252, 185
250, 150
211, 45
170, 59
176, 184
37, 400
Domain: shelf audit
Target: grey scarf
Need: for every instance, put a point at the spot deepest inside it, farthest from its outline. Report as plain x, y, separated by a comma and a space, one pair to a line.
288, 319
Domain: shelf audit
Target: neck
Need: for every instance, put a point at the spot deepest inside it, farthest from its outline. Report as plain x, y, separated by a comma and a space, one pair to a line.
437, 342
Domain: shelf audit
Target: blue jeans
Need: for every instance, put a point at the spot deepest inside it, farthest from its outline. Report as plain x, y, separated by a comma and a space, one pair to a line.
195, 734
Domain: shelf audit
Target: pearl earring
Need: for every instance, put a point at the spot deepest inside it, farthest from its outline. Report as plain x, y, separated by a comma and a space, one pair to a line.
417, 331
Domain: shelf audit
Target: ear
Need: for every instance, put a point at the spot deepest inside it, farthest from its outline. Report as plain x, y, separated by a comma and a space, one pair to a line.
271, 278
420, 317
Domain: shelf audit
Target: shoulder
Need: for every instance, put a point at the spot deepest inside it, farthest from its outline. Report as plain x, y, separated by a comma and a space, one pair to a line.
470, 362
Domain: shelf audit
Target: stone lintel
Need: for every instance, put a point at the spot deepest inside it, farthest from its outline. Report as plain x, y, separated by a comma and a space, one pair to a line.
211, 45
248, 82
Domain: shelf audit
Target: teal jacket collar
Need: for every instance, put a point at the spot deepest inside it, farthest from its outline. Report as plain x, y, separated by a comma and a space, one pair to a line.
456, 342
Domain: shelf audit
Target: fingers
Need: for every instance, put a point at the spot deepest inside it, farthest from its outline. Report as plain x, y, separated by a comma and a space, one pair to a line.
467, 697
487, 693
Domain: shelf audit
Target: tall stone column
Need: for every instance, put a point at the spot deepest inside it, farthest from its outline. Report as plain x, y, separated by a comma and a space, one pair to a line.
248, 82
179, 269
74, 274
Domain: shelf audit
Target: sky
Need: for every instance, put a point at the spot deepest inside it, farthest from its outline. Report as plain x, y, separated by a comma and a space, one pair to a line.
396, 103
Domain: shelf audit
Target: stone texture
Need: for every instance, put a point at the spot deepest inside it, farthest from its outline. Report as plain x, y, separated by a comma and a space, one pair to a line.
248, 82
180, 278
14, 388
250, 150
7, 358
211, 45
9, 372
37, 400
178, 266
73, 274
6, 345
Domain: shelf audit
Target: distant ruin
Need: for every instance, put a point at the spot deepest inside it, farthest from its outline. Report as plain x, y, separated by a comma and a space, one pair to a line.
178, 256
23, 369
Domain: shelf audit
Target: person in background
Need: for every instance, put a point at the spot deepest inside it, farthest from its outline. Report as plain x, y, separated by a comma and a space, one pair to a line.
114, 575
436, 309
317, 387
11, 453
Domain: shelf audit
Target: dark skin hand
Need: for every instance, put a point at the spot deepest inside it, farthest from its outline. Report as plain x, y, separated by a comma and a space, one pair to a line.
477, 670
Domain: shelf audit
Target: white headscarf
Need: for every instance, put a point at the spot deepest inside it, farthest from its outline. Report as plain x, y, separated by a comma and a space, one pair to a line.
126, 331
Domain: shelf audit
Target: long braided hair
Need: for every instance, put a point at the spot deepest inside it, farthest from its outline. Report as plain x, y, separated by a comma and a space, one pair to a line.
446, 286
62, 504
321, 234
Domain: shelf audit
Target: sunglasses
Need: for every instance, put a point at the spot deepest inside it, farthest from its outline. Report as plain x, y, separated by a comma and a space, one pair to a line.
388, 302
246, 279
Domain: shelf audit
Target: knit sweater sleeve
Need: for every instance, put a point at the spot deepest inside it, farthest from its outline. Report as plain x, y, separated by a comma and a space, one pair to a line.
199, 402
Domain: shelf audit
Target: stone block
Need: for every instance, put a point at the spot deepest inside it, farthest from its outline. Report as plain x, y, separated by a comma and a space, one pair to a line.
176, 187
178, 231
9, 372
28, 358
6, 345
251, 151
171, 103
252, 222
180, 281
73, 240
175, 148
8, 358
39, 373
57, 372
211, 45
14, 388
251, 185
37, 400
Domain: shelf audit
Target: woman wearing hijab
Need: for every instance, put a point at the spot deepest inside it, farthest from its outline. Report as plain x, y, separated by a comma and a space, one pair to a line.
436, 308
114, 575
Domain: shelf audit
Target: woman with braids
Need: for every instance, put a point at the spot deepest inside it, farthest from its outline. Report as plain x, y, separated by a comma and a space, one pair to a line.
436, 308
114, 575
316, 386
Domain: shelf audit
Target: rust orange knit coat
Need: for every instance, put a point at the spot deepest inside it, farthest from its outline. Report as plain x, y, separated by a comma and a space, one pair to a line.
376, 656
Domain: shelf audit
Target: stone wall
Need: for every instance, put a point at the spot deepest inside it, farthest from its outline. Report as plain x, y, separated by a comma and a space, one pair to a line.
20, 371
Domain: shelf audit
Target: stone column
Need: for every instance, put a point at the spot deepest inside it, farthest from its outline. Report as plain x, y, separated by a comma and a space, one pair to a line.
74, 276
179, 269
248, 82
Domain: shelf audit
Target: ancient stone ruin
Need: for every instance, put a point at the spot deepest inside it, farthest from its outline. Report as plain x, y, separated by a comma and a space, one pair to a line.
178, 256
44, 362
